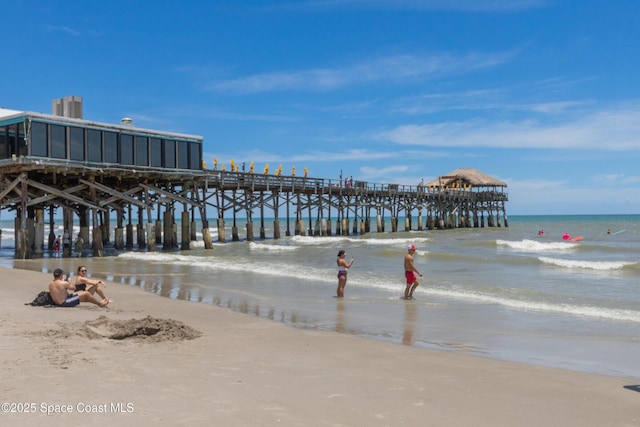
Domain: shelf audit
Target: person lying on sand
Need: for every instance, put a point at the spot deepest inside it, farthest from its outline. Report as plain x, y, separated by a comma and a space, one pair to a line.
92, 286
58, 291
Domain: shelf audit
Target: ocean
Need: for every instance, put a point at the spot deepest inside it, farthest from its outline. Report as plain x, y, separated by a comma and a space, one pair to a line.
503, 292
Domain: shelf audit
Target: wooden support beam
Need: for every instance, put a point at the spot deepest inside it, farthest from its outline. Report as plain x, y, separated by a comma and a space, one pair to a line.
117, 195
62, 194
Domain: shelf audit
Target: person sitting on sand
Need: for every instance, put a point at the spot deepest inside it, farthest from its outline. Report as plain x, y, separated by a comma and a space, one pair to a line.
91, 286
58, 291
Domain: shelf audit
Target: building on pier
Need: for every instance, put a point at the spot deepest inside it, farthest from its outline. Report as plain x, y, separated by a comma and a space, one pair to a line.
84, 167
491, 197
145, 178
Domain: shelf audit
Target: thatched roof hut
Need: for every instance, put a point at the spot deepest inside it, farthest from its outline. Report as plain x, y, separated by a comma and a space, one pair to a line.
464, 177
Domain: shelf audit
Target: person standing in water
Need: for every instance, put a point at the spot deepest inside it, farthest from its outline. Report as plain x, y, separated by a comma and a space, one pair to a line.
343, 266
410, 271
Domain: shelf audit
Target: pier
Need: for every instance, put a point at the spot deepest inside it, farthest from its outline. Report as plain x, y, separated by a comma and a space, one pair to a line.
146, 179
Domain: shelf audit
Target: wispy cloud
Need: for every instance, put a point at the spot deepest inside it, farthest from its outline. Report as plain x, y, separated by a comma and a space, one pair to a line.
616, 180
63, 29
455, 5
312, 156
617, 129
374, 173
394, 69
480, 100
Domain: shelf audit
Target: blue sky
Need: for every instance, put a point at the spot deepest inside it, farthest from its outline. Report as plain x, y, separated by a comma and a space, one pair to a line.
542, 94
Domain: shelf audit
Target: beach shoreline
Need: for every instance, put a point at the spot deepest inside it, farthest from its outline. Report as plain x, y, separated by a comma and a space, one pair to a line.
244, 370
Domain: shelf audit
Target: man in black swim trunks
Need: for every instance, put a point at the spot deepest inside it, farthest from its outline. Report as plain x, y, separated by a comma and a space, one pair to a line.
58, 291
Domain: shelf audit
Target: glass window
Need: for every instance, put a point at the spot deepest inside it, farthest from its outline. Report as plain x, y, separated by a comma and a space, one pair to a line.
22, 142
142, 151
58, 142
195, 158
76, 143
126, 149
110, 147
38, 139
169, 153
12, 140
155, 151
94, 145
4, 143
183, 155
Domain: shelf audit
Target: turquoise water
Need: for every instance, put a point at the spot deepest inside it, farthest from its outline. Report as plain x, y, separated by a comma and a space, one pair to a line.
503, 292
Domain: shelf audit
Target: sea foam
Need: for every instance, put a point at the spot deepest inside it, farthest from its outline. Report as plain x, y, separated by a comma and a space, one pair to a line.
535, 246
593, 265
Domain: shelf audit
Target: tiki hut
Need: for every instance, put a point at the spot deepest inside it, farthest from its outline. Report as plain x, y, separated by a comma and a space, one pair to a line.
469, 194
467, 178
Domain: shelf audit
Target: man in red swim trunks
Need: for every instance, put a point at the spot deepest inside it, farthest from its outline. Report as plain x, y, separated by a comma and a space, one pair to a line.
409, 272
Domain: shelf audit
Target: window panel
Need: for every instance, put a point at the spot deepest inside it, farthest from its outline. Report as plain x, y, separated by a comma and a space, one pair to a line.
4, 143
126, 149
155, 151
169, 153
142, 151
195, 158
183, 155
110, 147
22, 142
58, 142
76, 143
38, 139
94, 145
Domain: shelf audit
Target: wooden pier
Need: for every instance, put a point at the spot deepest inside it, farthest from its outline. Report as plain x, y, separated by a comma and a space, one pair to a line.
147, 202
145, 178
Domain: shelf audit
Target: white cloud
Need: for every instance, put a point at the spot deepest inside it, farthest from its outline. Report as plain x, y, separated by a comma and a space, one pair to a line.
63, 29
456, 5
618, 129
312, 156
616, 180
383, 174
399, 69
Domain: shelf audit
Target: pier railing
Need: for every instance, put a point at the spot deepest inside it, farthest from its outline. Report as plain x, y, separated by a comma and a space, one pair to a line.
227, 180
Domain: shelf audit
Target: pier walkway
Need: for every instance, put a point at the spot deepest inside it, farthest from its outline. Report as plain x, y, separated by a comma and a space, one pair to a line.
148, 201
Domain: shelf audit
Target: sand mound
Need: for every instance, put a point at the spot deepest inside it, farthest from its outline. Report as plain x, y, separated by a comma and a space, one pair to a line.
146, 329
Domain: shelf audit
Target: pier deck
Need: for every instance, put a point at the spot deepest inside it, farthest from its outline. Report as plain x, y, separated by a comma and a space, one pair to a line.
150, 198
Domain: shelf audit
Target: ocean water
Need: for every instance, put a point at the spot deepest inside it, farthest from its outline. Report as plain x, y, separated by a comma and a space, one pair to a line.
502, 292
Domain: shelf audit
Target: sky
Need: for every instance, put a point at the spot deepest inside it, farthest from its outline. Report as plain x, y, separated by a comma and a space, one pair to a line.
541, 94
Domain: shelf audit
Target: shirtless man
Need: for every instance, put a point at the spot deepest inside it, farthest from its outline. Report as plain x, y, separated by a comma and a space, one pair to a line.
409, 272
58, 291
91, 286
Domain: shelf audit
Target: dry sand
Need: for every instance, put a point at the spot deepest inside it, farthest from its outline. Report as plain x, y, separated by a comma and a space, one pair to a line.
149, 360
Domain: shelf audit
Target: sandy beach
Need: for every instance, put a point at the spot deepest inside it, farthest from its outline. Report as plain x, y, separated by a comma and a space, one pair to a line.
149, 360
